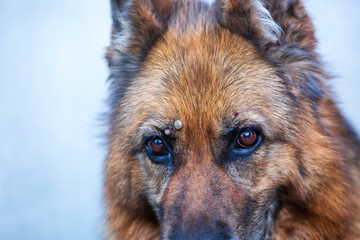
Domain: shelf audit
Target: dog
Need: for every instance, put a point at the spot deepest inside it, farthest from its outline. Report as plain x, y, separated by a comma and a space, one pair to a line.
222, 126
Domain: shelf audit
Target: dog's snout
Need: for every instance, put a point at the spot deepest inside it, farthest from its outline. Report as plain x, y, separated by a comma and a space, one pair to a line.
199, 193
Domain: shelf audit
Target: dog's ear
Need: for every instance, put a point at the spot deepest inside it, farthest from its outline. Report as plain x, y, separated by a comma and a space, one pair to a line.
297, 27
295, 54
267, 21
248, 18
283, 33
136, 26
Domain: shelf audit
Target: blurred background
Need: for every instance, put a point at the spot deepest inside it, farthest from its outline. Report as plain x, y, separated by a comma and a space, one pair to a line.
53, 90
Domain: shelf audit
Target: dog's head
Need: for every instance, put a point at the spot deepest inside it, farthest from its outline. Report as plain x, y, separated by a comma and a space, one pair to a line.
242, 78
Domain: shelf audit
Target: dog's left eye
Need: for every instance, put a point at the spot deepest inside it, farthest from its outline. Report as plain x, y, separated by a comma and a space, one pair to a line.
157, 150
247, 141
247, 138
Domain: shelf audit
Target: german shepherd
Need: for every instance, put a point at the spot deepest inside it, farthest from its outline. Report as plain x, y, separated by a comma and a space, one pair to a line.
223, 126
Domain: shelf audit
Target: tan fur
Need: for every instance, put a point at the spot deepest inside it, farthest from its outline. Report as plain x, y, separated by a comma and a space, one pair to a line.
191, 62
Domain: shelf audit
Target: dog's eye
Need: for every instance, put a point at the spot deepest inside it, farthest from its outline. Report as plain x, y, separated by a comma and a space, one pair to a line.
246, 142
156, 145
158, 150
247, 138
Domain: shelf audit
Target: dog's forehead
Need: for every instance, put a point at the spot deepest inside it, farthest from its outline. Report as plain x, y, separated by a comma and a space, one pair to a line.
204, 78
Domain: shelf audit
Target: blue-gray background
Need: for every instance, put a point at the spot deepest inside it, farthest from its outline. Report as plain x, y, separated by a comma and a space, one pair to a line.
52, 91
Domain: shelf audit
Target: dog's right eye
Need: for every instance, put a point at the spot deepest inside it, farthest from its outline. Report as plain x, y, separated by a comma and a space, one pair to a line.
156, 145
157, 150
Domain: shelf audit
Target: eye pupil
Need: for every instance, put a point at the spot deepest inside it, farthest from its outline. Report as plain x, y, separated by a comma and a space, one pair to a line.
247, 138
156, 145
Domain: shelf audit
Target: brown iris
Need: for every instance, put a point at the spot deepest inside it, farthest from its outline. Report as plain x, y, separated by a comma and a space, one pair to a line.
247, 138
156, 145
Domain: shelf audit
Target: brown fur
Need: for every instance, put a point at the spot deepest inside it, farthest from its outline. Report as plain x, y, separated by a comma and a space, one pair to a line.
197, 63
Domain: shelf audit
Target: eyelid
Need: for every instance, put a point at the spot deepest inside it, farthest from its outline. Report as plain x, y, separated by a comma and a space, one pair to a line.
150, 131
151, 134
148, 138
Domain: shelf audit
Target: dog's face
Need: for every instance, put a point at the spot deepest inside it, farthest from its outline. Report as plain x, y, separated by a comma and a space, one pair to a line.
243, 152
210, 176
